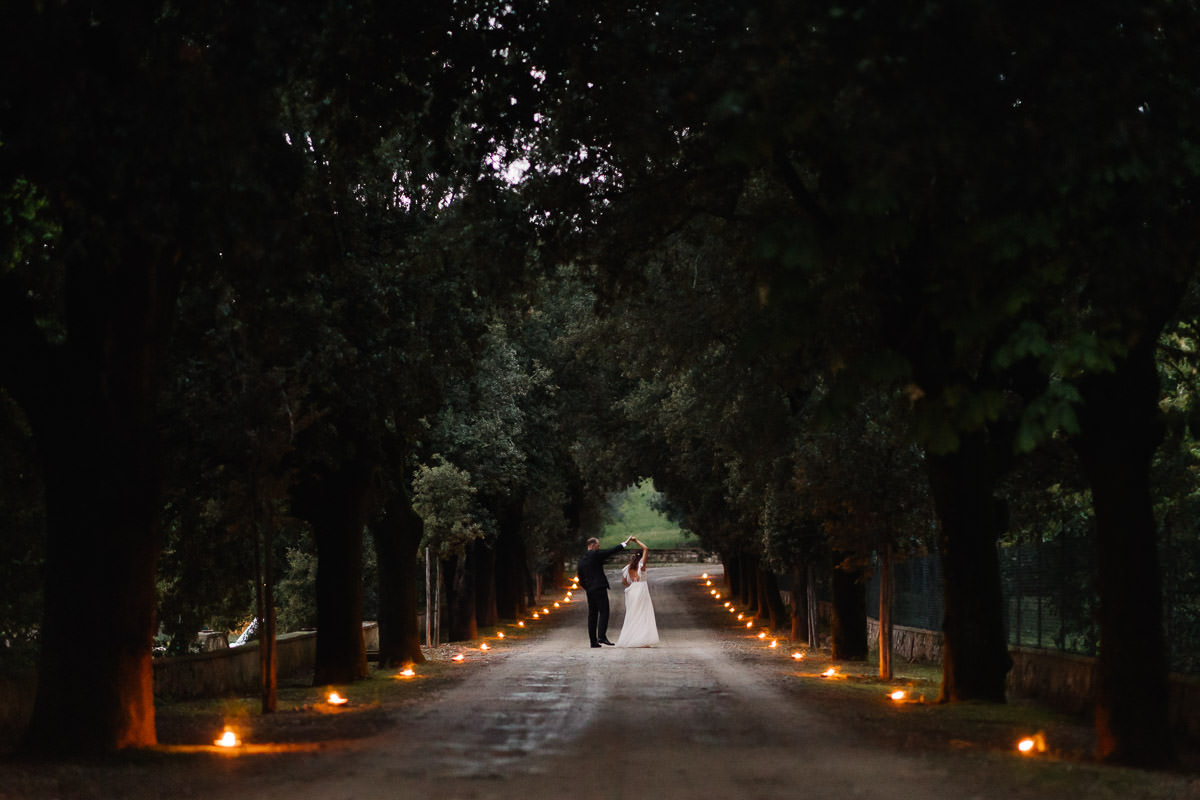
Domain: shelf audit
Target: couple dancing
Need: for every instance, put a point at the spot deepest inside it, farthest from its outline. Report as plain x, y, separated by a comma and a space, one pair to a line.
639, 628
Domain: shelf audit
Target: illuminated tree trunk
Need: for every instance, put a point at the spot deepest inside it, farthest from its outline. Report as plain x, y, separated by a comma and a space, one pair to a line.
975, 660
1121, 427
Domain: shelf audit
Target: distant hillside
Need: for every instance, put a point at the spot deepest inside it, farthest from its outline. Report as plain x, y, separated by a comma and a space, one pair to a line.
633, 515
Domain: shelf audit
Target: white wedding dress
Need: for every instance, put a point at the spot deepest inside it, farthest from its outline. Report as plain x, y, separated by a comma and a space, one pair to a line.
639, 628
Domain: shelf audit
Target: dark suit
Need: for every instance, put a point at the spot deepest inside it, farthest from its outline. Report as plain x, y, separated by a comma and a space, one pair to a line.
593, 580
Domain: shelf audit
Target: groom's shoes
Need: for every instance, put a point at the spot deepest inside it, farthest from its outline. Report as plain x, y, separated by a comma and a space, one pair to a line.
606, 641
595, 644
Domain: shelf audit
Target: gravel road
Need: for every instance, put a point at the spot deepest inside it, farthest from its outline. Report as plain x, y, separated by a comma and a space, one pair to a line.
549, 716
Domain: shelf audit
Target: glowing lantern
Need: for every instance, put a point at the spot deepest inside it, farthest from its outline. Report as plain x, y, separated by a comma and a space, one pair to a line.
556, 605
545, 611
750, 624
708, 583
731, 610
774, 643
484, 646
798, 655
705, 576
898, 695
741, 615
761, 634
335, 699
407, 672
712, 591
500, 635
717, 595
829, 673
535, 615
1032, 744
521, 624
228, 739
459, 657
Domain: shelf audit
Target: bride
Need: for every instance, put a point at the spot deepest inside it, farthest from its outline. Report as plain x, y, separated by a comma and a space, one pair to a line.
639, 628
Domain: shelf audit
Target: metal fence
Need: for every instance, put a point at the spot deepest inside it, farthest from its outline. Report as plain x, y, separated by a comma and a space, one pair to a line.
1050, 599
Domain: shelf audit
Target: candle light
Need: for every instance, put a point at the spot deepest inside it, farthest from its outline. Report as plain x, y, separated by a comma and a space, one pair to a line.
1032, 744
750, 624
335, 699
459, 657
521, 624
898, 695
705, 576
762, 634
484, 646
829, 673
407, 672
228, 739
741, 615
545, 611
535, 615
774, 643
500, 635
717, 595
798, 655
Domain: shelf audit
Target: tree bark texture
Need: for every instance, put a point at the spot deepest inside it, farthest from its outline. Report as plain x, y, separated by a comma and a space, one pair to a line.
1120, 428
975, 660
397, 539
849, 623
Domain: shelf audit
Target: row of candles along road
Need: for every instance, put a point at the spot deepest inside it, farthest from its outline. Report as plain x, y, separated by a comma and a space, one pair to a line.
229, 739
1026, 746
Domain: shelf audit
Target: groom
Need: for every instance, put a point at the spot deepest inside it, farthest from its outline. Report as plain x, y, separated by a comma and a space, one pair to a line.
593, 580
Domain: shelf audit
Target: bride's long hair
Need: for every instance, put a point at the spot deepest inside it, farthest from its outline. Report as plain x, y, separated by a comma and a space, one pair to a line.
633, 564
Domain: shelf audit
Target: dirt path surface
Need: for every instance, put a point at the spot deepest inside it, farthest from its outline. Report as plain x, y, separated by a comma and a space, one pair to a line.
551, 717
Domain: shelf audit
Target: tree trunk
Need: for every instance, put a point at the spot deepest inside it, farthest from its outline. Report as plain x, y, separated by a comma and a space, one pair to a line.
814, 633
335, 505
975, 660
1120, 428
770, 600
460, 599
486, 615
512, 572
397, 539
800, 604
886, 592
95, 676
849, 625
92, 409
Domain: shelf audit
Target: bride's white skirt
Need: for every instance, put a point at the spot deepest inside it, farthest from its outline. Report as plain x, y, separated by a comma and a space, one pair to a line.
639, 628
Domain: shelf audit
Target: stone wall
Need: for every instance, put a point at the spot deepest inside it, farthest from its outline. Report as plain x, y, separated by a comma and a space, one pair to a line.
234, 670
909, 644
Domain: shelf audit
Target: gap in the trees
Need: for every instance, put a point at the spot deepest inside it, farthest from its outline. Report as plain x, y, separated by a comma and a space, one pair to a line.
637, 511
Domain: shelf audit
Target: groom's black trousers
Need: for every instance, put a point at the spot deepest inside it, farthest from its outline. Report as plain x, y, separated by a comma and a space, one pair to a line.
597, 614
